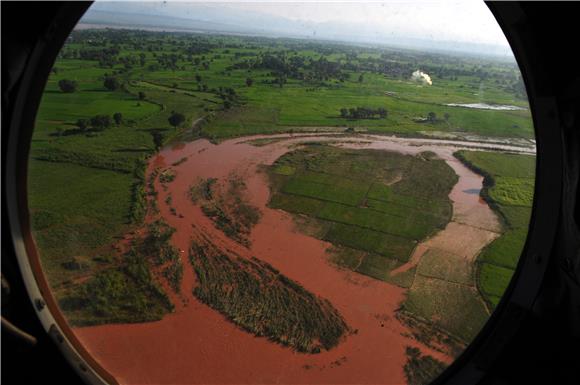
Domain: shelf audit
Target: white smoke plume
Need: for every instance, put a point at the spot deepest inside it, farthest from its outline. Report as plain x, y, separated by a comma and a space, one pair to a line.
420, 76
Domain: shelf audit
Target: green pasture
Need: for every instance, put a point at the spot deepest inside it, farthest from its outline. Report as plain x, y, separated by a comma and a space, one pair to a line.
75, 211
509, 187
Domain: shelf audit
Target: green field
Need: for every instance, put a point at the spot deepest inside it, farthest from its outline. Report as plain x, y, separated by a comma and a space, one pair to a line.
509, 189
365, 201
121, 287
86, 183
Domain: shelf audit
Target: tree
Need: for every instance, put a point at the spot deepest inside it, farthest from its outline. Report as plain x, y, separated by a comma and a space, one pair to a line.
432, 117
118, 118
382, 112
82, 124
111, 83
157, 139
142, 95
446, 116
67, 86
176, 119
101, 122
360, 78
198, 78
343, 113
249, 82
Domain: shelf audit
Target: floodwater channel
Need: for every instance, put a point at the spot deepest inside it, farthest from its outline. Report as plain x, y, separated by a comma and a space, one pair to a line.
196, 344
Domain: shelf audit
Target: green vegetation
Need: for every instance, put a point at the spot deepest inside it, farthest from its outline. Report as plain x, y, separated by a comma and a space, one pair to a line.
421, 369
94, 212
260, 300
509, 189
92, 283
203, 189
445, 266
167, 176
454, 308
227, 207
376, 202
67, 86
115, 97
157, 243
124, 289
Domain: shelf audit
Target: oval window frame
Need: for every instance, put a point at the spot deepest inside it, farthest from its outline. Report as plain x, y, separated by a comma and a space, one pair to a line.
469, 367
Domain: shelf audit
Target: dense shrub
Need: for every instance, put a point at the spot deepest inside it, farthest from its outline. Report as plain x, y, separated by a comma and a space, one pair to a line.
67, 86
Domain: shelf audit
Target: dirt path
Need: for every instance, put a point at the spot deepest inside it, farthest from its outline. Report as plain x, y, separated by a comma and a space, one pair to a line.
198, 345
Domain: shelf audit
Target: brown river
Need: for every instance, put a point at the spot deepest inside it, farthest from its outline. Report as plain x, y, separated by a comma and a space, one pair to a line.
196, 344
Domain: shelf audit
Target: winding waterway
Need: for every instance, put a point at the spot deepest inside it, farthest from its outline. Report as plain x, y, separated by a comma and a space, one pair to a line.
196, 344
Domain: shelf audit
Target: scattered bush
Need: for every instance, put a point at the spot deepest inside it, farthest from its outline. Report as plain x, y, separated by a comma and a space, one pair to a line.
67, 86
111, 83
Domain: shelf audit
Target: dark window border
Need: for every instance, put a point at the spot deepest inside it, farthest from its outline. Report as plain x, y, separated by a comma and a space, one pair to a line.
480, 355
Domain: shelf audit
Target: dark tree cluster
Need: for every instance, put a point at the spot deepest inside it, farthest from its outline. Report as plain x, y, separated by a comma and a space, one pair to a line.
99, 122
96, 123
228, 95
168, 61
176, 119
67, 86
363, 113
293, 67
112, 83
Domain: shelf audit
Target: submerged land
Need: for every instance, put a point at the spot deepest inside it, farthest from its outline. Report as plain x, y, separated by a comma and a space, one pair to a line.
284, 210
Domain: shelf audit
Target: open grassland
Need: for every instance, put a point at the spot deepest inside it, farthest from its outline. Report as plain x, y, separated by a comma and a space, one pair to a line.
376, 205
278, 110
509, 189
260, 300
76, 211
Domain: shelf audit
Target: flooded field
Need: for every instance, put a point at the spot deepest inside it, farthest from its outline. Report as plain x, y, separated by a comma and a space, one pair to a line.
485, 106
197, 344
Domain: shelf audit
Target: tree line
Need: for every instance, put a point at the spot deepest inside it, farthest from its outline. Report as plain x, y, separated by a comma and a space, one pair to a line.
363, 113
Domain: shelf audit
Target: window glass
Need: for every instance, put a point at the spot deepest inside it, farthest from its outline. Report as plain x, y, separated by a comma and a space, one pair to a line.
281, 192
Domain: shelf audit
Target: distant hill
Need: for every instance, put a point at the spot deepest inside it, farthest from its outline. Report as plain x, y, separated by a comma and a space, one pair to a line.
212, 18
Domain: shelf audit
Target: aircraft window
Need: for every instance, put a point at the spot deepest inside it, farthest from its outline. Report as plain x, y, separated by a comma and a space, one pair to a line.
267, 192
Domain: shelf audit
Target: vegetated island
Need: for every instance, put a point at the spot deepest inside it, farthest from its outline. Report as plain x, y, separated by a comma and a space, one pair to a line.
262, 301
375, 206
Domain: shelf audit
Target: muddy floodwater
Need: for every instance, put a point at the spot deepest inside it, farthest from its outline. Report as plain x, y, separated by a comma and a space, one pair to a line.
196, 344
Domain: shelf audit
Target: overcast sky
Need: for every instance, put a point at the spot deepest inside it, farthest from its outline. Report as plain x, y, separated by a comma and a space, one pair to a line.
466, 21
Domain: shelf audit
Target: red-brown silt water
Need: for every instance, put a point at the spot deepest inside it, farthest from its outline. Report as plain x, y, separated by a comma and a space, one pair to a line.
197, 344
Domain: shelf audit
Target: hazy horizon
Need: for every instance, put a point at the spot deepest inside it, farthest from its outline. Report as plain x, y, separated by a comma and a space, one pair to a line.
452, 26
